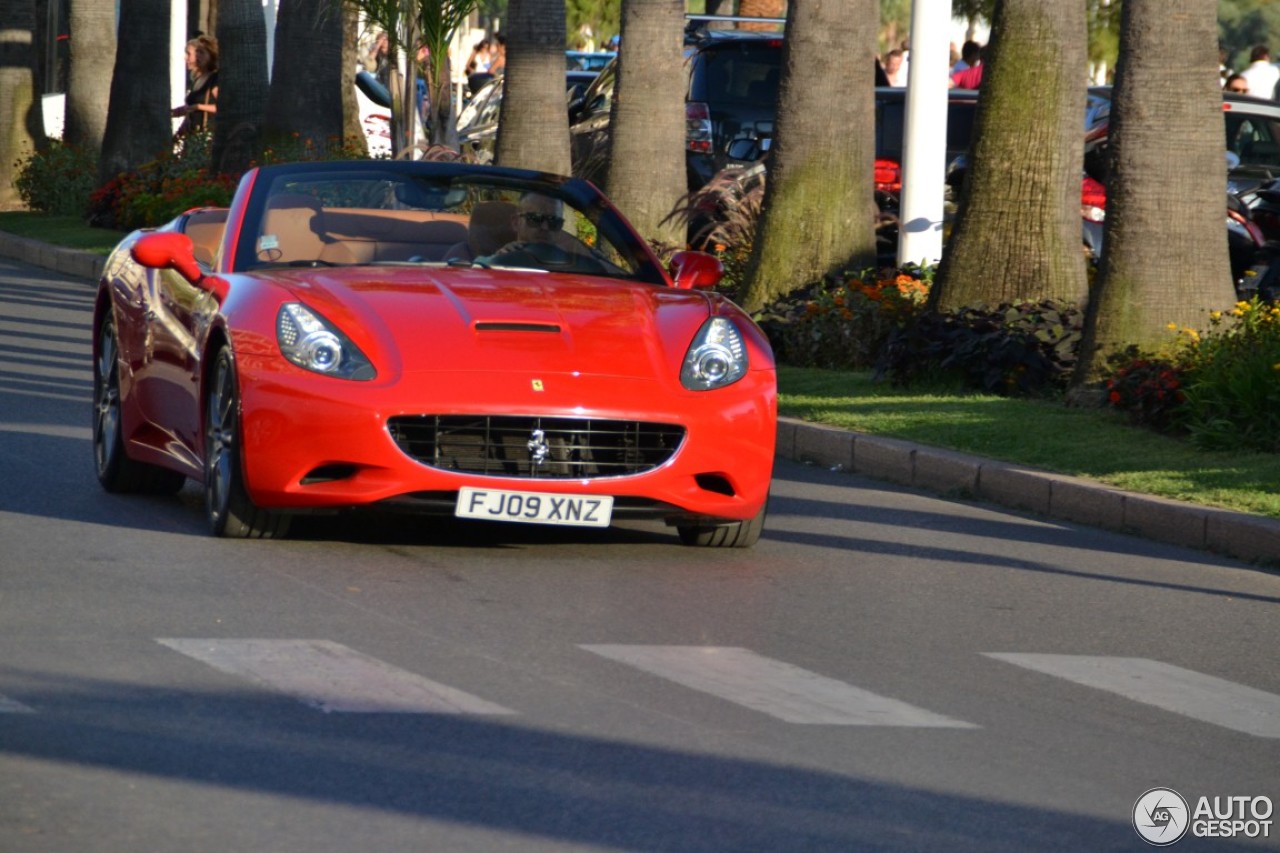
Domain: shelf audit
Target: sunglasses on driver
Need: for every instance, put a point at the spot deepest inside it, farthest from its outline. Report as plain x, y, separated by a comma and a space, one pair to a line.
543, 220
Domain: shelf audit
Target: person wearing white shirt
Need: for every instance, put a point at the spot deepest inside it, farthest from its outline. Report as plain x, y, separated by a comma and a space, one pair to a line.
1261, 74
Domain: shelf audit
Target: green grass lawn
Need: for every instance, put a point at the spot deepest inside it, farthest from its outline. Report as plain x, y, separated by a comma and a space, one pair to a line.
1082, 442
69, 231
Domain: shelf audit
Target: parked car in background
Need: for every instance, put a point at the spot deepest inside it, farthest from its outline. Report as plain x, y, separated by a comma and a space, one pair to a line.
478, 120
582, 60
732, 93
891, 111
441, 338
1252, 148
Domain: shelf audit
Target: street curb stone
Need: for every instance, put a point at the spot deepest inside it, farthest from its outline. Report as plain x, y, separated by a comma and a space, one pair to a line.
949, 473
1243, 536
70, 262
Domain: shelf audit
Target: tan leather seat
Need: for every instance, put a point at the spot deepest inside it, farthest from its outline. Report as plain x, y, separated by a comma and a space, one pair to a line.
491, 227
293, 230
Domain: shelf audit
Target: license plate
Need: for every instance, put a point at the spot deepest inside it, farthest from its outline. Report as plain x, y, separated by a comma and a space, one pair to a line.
534, 507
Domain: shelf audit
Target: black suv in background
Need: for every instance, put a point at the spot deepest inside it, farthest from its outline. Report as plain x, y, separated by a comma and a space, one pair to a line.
732, 94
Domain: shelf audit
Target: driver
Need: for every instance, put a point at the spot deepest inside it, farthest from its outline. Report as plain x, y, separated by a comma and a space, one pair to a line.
538, 219
542, 243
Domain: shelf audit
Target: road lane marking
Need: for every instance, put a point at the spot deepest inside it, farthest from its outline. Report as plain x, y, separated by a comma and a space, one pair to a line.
773, 687
13, 706
332, 677
1171, 688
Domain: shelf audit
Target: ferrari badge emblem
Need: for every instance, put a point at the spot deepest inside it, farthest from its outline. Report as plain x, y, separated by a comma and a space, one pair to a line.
537, 385
538, 448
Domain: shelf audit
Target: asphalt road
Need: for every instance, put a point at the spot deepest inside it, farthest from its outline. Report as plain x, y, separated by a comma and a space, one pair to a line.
885, 670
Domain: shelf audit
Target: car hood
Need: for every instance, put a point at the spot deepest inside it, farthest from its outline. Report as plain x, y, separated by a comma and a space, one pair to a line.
492, 320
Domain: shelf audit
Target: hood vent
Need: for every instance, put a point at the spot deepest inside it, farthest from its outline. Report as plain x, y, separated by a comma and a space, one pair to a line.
550, 328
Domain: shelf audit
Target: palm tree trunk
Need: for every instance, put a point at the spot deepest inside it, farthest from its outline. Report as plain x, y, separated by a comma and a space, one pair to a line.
93, 54
21, 122
1017, 232
242, 86
646, 168
139, 127
305, 102
1165, 258
819, 211
534, 129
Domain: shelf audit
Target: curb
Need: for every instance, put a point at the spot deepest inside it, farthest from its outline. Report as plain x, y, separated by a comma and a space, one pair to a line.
72, 262
1234, 534
1240, 535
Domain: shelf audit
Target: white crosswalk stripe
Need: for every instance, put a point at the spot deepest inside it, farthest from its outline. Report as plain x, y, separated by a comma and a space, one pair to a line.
332, 677
13, 706
773, 687
1171, 688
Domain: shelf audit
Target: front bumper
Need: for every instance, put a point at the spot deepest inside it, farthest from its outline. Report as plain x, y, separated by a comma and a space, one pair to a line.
311, 442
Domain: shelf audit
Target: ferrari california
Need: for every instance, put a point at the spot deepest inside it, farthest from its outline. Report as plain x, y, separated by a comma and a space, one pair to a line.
463, 340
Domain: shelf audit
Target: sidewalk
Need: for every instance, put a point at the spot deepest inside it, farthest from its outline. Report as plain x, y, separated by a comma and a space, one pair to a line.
1240, 535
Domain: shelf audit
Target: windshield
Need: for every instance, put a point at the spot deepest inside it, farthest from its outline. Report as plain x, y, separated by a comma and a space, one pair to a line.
464, 218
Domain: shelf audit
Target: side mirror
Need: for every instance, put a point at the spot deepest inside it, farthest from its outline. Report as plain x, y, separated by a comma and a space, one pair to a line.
696, 269
744, 148
166, 250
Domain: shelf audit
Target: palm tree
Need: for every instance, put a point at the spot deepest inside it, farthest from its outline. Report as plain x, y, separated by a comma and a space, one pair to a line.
819, 214
437, 22
242, 85
20, 114
307, 80
646, 173
93, 54
138, 122
1166, 252
534, 130
399, 20
352, 129
1017, 232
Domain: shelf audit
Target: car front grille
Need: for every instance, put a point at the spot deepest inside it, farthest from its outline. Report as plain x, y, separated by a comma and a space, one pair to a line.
535, 447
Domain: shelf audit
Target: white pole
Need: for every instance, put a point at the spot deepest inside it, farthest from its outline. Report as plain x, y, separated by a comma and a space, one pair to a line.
177, 54
924, 144
269, 17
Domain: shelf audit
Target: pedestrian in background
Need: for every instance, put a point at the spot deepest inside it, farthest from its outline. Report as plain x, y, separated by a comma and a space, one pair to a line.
1261, 74
201, 103
893, 70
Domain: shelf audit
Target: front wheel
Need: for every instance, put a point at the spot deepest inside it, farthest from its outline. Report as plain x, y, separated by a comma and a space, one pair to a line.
116, 471
232, 513
736, 534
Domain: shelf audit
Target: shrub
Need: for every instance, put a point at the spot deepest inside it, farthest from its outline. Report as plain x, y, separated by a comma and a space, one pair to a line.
843, 324
158, 191
1148, 389
294, 148
57, 180
1233, 380
1013, 350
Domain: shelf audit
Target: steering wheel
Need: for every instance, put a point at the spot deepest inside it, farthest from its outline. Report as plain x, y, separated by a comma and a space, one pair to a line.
546, 256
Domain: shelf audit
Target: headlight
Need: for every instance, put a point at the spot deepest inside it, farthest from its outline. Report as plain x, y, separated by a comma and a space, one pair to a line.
312, 343
716, 358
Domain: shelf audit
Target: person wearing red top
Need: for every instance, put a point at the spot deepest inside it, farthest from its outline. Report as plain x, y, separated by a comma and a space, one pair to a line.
969, 78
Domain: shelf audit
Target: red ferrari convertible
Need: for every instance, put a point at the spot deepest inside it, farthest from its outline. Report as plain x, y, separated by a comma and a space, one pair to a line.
472, 341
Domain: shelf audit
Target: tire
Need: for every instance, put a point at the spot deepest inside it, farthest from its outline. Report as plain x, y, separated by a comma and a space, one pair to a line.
737, 534
116, 471
231, 512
